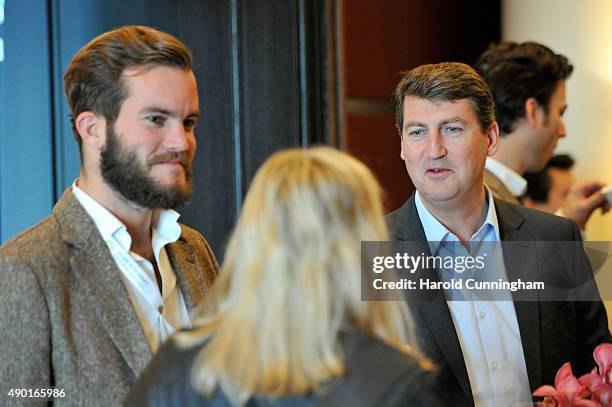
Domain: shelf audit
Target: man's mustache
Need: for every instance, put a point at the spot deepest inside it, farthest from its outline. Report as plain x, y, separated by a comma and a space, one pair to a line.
172, 156
185, 162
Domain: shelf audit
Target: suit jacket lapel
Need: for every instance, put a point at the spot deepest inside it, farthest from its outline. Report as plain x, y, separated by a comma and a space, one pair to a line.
189, 275
435, 313
101, 281
521, 259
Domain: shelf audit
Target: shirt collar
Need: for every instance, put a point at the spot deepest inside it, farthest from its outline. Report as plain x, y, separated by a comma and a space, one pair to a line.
436, 232
511, 179
166, 228
107, 223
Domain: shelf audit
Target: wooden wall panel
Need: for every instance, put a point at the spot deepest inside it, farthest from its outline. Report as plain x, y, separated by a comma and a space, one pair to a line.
375, 141
397, 35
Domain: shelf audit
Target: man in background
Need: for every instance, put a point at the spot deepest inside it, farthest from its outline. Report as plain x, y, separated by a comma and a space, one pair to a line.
548, 188
488, 353
90, 293
528, 83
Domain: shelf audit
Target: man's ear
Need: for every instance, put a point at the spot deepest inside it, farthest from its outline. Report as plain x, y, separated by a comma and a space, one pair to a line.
493, 136
401, 146
531, 111
91, 129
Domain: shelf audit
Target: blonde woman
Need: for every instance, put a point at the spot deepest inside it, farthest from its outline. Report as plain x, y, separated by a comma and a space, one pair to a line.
286, 326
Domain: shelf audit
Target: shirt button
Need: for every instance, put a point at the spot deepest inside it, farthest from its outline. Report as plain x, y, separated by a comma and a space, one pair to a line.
494, 366
160, 309
482, 314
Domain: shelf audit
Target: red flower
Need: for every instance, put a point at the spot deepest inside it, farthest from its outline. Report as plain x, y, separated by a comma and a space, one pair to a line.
568, 391
599, 383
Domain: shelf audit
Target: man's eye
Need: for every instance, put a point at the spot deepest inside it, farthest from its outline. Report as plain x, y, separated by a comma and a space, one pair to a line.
453, 129
189, 123
416, 133
156, 120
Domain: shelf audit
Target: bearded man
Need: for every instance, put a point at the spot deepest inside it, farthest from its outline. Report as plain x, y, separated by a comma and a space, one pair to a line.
90, 293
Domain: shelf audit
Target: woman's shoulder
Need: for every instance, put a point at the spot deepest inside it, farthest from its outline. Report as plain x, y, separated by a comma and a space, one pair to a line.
166, 380
382, 373
364, 350
375, 374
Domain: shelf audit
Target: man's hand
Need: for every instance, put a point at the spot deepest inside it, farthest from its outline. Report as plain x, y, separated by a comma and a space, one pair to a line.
582, 199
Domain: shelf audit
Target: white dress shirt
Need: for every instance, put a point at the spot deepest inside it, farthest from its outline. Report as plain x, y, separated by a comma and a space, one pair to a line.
511, 179
488, 331
160, 314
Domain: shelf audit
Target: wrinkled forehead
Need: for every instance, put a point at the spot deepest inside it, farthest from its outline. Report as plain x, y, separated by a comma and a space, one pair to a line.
419, 109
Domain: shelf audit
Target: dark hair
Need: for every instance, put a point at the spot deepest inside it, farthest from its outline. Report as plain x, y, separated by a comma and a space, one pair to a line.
561, 161
539, 183
92, 81
446, 81
516, 72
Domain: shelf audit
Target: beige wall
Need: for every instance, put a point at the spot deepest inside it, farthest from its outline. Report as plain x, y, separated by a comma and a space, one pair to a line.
582, 31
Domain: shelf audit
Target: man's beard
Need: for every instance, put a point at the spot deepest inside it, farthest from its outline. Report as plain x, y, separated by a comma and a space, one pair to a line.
128, 176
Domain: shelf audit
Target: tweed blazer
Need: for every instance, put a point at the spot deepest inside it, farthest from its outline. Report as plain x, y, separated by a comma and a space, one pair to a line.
551, 332
66, 319
499, 189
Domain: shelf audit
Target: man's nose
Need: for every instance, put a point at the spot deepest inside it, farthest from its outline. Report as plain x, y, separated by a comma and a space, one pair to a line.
178, 138
562, 129
435, 146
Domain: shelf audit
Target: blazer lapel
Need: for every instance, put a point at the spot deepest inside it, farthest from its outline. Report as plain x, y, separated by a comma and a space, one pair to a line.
101, 281
520, 259
435, 313
189, 273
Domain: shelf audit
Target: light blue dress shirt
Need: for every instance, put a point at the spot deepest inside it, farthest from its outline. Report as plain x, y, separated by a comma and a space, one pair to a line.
488, 331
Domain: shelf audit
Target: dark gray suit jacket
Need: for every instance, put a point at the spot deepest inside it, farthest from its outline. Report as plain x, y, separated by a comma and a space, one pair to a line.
551, 332
66, 319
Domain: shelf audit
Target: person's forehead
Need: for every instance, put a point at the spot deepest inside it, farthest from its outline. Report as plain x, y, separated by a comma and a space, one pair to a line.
418, 107
156, 76
559, 94
159, 81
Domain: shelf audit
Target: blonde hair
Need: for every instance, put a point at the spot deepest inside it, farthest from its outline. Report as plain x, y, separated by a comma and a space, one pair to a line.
291, 280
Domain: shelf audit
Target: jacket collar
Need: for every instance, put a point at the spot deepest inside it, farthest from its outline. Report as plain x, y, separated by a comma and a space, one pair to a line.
95, 269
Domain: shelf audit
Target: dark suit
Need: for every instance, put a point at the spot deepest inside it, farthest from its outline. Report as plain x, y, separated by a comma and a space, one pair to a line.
376, 375
66, 319
551, 332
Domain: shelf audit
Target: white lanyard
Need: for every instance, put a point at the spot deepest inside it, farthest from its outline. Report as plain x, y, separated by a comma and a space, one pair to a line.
132, 270
138, 278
